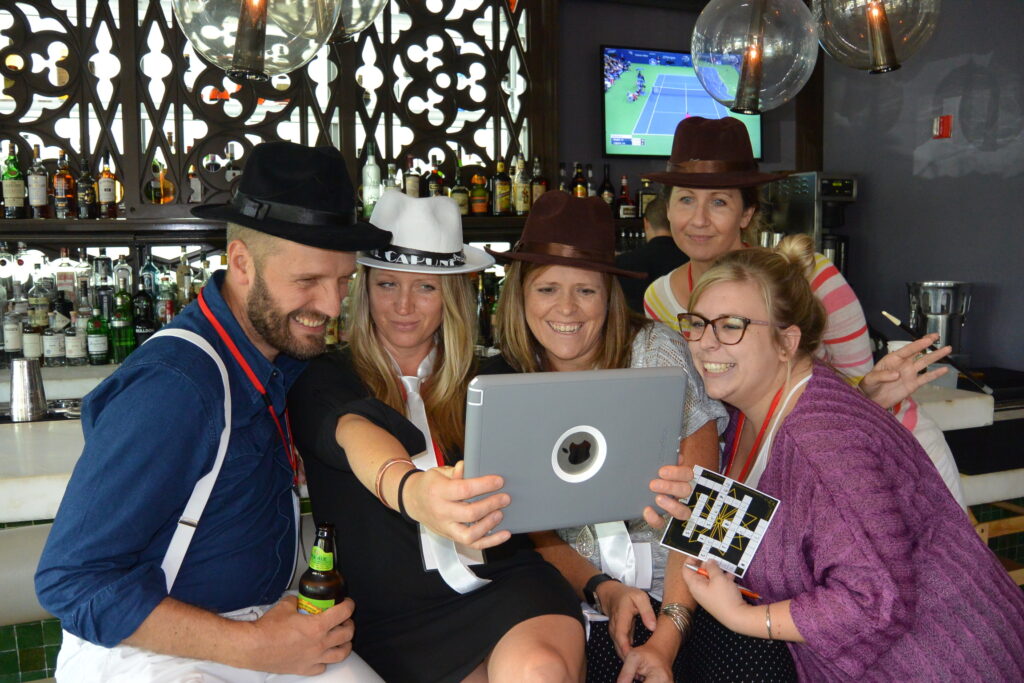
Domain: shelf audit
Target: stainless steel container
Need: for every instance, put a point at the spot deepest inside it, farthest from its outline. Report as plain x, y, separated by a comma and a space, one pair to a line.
940, 306
28, 401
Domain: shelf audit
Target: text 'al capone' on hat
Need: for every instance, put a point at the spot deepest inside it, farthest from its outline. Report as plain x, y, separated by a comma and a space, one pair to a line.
426, 237
712, 154
562, 230
298, 193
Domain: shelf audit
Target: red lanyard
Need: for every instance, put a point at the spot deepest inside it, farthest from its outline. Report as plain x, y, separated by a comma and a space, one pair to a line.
757, 442
286, 440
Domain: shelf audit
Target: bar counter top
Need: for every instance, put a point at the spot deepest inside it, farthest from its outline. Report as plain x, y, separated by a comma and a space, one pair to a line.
37, 458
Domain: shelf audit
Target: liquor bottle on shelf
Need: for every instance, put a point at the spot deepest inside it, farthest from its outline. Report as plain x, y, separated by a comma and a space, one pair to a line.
232, 169
195, 185
122, 335
12, 336
591, 187
389, 182
123, 295
210, 163
32, 338
62, 307
75, 352
83, 302
607, 192
644, 196
183, 279
143, 314
63, 189
371, 179
54, 345
435, 180
149, 274
479, 197
538, 183
13, 184
106, 191
65, 273
625, 207
39, 189
97, 339
86, 194
579, 181
103, 284
563, 184
460, 193
165, 297
411, 179
123, 270
501, 195
321, 586
39, 299
521, 188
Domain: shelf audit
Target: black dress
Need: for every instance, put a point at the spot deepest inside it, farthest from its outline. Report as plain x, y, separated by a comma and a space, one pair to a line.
410, 625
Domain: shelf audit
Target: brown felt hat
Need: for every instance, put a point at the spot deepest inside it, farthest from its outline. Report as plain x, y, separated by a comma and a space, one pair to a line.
563, 230
712, 153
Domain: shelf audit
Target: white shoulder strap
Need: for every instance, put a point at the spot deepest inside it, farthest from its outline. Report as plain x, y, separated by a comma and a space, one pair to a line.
189, 519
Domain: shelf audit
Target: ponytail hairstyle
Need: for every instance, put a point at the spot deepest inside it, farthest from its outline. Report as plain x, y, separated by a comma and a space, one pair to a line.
783, 276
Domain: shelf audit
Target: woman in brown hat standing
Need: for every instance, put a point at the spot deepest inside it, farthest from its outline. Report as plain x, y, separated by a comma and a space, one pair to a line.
562, 309
711, 186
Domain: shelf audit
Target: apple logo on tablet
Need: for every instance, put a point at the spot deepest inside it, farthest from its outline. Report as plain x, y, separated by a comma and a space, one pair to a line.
579, 453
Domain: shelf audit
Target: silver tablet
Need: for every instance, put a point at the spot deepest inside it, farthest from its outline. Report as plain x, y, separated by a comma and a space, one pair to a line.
574, 447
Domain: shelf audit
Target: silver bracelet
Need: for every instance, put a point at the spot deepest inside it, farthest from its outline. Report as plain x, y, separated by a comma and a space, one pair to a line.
768, 620
681, 616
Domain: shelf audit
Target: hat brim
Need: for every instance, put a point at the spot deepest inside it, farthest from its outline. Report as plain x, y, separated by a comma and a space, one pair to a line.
354, 237
738, 179
554, 260
476, 260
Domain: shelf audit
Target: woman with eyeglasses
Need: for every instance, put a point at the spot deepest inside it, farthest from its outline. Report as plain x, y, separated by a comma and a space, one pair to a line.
869, 569
711, 187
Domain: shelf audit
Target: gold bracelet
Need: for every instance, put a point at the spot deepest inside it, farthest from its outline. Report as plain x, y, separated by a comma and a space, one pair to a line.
379, 484
768, 620
680, 615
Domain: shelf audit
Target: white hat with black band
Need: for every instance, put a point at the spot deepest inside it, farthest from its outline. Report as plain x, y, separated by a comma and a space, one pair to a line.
426, 237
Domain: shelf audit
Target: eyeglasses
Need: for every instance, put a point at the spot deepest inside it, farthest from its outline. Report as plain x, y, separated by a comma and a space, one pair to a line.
729, 329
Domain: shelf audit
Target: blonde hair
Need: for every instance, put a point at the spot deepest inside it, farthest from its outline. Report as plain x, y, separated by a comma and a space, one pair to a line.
444, 392
522, 350
783, 276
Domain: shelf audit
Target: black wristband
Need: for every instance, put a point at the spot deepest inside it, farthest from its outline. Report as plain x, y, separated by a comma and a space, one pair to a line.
590, 589
401, 499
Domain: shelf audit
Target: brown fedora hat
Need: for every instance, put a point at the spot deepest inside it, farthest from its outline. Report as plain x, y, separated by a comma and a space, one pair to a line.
712, 153
563, 230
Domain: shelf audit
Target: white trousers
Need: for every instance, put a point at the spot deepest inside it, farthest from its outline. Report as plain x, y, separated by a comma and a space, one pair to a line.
80, 661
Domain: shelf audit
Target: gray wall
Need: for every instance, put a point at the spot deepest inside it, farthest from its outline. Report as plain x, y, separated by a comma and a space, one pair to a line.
928, 209
585, 25
940, 209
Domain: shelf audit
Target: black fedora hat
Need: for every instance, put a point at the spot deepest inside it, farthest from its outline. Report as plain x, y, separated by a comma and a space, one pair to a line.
711, 154
562, 230
298, 193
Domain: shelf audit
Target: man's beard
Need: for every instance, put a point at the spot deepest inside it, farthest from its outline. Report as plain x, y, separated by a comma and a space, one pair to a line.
273, 325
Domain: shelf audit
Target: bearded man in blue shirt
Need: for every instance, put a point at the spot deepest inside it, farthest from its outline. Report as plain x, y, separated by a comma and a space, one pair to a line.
177, 535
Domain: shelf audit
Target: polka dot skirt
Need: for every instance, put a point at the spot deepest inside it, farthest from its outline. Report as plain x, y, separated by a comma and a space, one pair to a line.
712, 654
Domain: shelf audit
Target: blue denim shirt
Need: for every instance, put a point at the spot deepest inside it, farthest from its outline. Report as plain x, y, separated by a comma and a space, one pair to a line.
151, 431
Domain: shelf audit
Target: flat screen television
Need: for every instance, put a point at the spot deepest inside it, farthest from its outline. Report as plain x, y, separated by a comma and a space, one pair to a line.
647, 92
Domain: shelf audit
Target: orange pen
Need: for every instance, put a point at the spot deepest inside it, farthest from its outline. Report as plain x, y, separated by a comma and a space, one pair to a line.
704, 572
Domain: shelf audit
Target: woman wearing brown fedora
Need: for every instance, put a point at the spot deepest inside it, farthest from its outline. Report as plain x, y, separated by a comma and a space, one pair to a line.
379, 425
711, 186
562, 309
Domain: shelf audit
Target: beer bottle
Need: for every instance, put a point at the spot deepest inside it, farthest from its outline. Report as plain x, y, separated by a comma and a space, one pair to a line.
321, 586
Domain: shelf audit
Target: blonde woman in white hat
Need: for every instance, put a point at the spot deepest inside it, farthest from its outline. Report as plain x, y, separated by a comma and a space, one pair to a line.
380, 428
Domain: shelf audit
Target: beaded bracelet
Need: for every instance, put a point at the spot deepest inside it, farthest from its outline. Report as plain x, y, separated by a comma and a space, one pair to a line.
378, 485
401, 498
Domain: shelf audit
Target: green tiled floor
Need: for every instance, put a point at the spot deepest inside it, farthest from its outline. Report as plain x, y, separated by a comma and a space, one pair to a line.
28, 652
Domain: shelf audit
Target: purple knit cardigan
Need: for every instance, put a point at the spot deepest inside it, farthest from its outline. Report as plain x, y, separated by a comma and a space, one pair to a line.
888, 580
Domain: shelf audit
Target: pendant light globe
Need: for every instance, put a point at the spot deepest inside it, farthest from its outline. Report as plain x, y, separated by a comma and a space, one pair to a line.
356, 16
874, 35
754, 55
257, 39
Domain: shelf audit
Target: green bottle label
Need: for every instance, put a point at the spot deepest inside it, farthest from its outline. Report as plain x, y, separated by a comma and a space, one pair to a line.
321, 561
313, 606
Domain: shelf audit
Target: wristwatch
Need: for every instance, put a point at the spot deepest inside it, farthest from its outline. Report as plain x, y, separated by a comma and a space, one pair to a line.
590, 590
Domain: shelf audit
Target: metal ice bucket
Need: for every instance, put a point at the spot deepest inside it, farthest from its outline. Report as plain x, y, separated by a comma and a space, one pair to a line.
28, 401
939, 306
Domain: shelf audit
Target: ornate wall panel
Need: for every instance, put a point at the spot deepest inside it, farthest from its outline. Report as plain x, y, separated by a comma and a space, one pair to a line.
118, 79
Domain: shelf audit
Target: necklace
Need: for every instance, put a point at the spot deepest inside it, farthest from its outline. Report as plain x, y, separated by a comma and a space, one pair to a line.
757, 441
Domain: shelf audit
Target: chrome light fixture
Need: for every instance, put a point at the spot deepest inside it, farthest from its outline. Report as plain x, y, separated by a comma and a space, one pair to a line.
257, 39
356, 16
754, 55
875, 35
